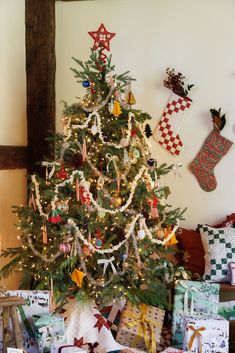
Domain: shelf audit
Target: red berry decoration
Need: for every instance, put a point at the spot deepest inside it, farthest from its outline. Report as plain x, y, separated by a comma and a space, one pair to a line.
55, 217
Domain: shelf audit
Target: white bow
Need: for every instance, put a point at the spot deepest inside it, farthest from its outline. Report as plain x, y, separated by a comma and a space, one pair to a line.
188, 291
113, 159
106, 262
176, 169
52, 165
45, 331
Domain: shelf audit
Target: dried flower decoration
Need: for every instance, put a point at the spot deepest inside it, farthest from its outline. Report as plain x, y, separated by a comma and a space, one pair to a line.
218, 120
175, 82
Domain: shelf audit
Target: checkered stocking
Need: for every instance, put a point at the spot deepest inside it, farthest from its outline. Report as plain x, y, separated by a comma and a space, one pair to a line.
212, 151
167, 131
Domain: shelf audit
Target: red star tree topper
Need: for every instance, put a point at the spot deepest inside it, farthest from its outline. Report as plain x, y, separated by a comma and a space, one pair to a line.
101, 38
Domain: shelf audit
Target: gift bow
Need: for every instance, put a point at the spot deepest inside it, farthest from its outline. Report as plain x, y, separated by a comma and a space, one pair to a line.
52, 165
188, 290
45, 331
144, 324
112, 158
196, 333
106, 262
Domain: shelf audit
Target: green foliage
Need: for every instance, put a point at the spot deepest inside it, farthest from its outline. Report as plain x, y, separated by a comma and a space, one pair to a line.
143, 273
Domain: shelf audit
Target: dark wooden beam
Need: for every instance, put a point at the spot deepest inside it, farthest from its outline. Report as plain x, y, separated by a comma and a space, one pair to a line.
40, 70
13, 157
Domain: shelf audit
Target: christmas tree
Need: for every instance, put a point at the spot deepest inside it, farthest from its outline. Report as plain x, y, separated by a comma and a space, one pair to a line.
97, 226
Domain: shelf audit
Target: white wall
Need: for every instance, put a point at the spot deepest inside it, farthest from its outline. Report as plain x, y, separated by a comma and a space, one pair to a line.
194, 37
13, 117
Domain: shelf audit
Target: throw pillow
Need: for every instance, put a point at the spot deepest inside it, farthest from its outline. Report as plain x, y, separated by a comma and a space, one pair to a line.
229, 221
190, 243
219, 247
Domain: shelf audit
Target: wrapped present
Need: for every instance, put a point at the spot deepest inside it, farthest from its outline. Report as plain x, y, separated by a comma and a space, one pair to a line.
192, 298
165, 340
206, 334
38, 302
48, 329
173, 350
112, 314
65, 348
140, 327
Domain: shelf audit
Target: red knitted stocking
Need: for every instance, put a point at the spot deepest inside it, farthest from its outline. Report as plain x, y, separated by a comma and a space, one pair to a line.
212, 151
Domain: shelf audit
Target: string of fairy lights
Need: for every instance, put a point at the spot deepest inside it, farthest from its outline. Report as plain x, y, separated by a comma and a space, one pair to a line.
130, 232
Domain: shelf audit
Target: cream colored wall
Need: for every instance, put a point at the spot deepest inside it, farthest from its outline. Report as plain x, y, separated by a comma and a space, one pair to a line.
194, 37
13, 118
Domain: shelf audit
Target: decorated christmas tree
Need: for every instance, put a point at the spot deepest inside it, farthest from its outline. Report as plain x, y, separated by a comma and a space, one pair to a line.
98, 225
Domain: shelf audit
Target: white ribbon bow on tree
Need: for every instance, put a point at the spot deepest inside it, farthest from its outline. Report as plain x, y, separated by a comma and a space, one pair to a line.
112, 158
106, 262
52, 166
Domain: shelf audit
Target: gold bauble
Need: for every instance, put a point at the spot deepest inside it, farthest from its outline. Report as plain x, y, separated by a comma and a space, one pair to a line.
160, 234
90, 100
116, 201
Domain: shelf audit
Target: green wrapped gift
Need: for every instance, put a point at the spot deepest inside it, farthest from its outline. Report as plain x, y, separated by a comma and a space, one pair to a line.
48, 329
192, 298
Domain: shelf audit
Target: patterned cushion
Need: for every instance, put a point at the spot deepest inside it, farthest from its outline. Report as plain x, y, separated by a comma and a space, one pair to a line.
219, 246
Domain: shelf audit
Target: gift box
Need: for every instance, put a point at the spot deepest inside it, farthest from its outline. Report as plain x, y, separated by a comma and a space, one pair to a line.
65, 348
38, 302
112, 314
140, 327
165, 340
48, 329
206, 334
192, 298
173, 350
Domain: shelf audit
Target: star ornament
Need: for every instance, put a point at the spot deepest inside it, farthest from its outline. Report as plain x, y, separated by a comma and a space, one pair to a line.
101, 37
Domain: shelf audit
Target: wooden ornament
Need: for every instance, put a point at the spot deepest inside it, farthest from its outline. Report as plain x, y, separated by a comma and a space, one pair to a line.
116, 109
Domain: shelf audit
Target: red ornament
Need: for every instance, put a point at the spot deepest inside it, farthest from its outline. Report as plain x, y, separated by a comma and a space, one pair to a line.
84, 196
101, 37
62, 174
55, 217
134, 132
86, 250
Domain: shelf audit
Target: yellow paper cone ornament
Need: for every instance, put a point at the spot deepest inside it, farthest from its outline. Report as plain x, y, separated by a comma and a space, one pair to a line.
173, 239
77, 277
130, 99
116, 109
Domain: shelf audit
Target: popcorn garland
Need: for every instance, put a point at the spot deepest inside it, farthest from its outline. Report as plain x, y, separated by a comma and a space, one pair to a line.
42, 257
67, 130
37, 199
86, 186
89, 276
78, 234
130, 233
